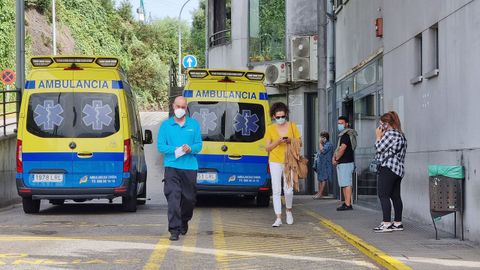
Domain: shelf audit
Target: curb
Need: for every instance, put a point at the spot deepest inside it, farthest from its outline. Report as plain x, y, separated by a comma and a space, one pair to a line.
372, 252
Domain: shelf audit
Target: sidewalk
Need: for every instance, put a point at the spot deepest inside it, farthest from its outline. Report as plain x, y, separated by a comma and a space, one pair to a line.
415, 246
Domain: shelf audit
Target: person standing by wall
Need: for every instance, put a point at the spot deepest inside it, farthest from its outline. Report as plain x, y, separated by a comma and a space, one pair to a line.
179, 139
343, 159
277, 136
323, 163
391, 147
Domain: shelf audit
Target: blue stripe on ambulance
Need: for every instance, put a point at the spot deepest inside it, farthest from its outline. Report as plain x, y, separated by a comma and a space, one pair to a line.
101, 170
247, 171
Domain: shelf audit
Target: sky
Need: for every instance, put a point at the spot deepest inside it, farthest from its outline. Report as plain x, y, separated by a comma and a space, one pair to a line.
166, 8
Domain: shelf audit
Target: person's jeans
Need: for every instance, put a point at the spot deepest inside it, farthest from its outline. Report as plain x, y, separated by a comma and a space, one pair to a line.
276, 171
389, 189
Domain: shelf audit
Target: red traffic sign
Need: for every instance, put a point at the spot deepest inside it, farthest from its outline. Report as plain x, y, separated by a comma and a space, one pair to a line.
8, 76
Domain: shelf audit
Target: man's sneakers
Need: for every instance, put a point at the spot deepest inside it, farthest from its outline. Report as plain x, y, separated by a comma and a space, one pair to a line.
277, 223
344, 207
389, 227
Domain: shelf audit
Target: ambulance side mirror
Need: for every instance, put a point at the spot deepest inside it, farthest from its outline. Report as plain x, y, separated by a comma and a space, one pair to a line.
148, 137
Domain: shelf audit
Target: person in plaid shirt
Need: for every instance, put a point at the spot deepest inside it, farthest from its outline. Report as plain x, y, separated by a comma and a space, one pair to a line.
391, 147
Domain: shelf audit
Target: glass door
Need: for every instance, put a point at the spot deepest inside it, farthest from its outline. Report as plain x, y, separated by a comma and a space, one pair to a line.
366, 115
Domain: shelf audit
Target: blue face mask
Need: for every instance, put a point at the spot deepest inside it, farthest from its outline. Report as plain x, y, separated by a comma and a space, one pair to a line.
341, 127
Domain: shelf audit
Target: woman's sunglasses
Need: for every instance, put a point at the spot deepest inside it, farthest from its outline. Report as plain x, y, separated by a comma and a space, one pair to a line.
280, 117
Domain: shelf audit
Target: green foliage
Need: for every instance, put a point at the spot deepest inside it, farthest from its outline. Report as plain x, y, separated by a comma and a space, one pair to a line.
101, 28
7, 34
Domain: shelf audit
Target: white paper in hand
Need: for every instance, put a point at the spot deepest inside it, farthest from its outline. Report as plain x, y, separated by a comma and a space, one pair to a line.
179, 152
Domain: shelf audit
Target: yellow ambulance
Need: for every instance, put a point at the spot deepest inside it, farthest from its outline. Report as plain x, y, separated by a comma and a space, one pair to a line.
232, 109
79, 134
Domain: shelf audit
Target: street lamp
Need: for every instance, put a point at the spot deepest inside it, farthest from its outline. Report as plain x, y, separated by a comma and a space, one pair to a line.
54, 27
180, 42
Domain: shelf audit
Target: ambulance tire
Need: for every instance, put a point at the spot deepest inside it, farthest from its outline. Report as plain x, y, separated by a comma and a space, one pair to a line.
143, 195
30, 206
129, 202
263, 199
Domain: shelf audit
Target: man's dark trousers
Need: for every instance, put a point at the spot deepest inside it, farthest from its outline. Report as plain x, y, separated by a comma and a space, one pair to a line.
181, 191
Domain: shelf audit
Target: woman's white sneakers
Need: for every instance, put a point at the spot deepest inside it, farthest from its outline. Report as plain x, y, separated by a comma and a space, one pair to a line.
277, 223
289, 218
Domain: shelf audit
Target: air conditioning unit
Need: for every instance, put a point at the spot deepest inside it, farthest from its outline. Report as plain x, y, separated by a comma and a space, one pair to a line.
304, 58
275, 73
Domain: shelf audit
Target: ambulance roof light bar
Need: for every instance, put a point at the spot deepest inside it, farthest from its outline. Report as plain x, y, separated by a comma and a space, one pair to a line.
227, 73
255, 76
107, 62
41, 61
198, 74
74, 59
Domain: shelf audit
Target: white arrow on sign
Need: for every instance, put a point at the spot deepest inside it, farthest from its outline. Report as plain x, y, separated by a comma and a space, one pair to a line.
189, 61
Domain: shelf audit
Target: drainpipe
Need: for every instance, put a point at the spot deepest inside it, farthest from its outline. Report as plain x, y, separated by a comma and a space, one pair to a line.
331, 38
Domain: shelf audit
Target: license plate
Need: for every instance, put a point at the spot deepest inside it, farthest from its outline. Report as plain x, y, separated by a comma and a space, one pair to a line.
47, 178
211, 177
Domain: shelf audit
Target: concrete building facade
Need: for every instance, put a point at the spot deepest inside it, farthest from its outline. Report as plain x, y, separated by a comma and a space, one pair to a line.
418, 58
425, 69
256, 33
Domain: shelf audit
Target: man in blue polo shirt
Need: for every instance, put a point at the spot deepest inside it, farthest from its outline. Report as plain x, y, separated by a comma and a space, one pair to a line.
179, 139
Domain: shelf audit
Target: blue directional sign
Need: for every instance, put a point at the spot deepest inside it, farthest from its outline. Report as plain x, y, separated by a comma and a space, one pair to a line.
189, 61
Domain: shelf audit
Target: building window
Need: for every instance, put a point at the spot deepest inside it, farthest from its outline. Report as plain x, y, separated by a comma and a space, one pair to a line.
433, 65
267, 30
417, 54
222, 20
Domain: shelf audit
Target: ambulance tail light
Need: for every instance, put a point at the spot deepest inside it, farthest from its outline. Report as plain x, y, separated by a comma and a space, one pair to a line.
41, 62
19, 157
107, 62
73, 67
226, 80
263, 189
127, 155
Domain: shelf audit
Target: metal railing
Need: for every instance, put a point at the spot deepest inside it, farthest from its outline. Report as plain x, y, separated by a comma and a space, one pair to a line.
9, 107
220, 37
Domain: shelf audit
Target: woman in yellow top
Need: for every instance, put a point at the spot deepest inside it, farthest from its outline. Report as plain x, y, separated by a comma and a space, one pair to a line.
277, 137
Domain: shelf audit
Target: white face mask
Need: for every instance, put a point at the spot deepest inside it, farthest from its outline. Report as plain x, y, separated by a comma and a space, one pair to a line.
179, 113
280, 121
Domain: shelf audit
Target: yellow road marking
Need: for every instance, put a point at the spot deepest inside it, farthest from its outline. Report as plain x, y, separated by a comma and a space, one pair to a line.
73, 238
219, 240
190, 241
374, 253
158, 254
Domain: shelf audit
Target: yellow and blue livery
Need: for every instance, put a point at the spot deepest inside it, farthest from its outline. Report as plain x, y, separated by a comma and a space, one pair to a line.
79, 134
232, 109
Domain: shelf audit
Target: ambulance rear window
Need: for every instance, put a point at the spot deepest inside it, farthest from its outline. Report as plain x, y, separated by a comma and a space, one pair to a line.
73, 115
229, 121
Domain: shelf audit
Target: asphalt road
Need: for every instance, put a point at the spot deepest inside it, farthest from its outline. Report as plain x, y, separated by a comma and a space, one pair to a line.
225, 233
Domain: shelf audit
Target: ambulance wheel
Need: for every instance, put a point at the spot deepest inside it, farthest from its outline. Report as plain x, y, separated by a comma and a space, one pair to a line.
129, 202
263, 200
30, 206
57, 202
143, 196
